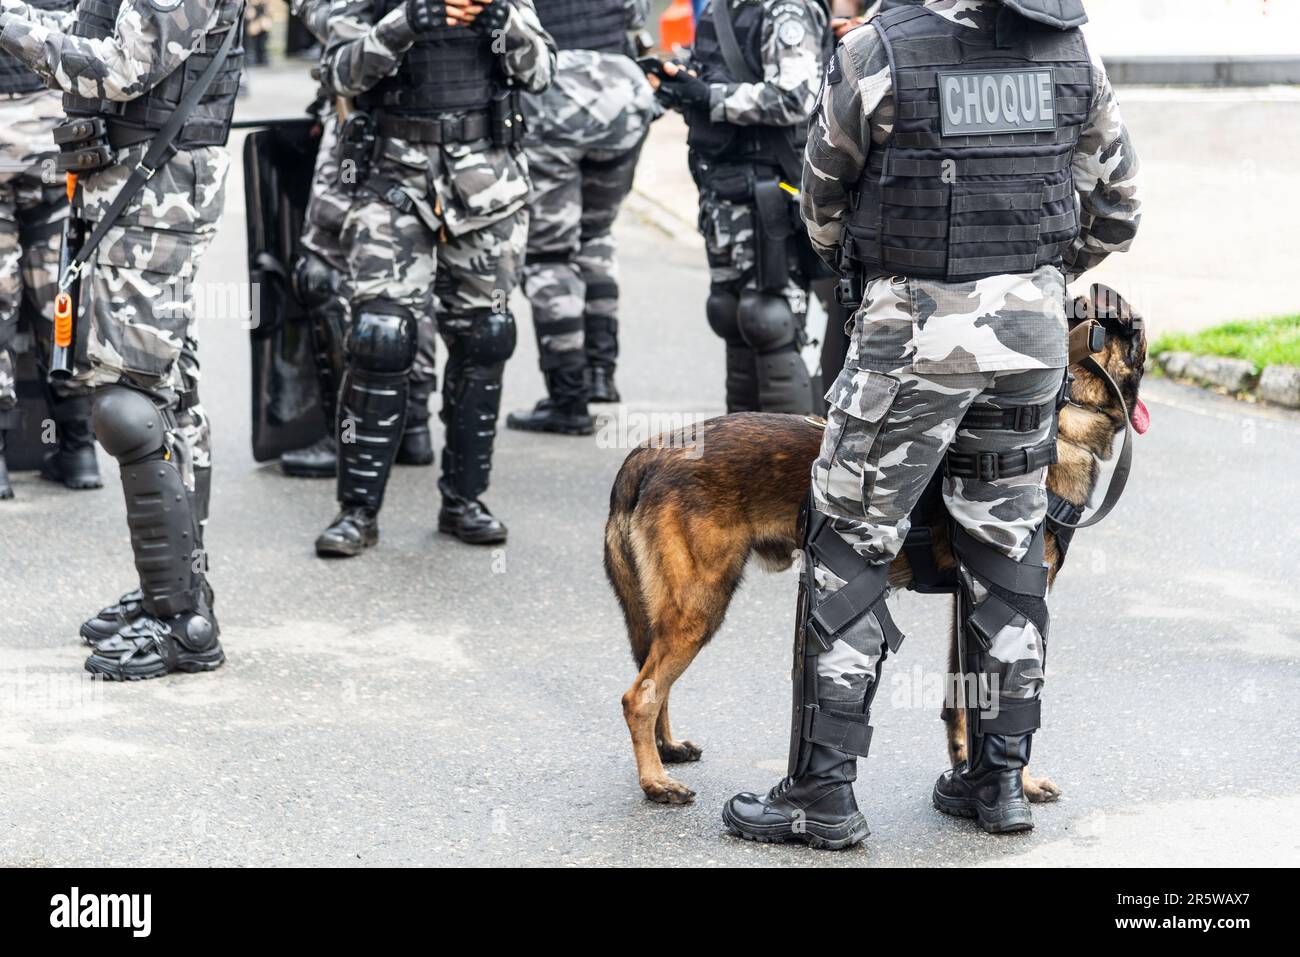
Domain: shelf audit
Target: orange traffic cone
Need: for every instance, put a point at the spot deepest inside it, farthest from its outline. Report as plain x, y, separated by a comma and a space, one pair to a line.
677, 25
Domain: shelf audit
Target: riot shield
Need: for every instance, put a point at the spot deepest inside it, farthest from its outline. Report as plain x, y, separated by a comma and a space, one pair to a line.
278, 164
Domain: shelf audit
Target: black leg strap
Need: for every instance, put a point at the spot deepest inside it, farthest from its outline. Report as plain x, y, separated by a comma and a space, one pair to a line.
864, 589
989, 466
1015, 716
1020, 418
849, 733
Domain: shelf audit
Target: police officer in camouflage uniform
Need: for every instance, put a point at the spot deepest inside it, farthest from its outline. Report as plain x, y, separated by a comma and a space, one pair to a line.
124, 67
746, 134
968, 158
440, 213
320, 277
33, 207
584, 136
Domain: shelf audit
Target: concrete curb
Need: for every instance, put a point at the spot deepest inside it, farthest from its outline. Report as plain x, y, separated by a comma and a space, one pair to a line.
1277, 384
1203, 70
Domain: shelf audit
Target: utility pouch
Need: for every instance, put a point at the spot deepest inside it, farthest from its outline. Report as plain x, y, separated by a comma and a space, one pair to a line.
357, 141
83, 145
773, 229
732, 184
506, 118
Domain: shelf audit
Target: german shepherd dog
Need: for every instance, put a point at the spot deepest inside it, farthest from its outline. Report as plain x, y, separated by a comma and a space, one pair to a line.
682, 526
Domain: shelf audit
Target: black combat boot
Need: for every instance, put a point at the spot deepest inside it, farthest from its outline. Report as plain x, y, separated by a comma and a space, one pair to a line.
416, 447
6, 490
816, 808
563, 411
468, 519
601, 387
73, 462
113, 618
992, 790
353, 530
318, 460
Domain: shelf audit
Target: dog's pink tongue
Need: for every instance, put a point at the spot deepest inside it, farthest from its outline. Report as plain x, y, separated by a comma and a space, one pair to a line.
1141, 417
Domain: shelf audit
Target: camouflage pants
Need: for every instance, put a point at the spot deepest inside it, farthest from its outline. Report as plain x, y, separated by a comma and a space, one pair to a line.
570, 275
139, 299
31, 215
888, 429
730, 242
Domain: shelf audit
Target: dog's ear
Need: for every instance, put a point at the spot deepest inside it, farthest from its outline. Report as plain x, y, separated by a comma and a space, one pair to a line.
1106, 303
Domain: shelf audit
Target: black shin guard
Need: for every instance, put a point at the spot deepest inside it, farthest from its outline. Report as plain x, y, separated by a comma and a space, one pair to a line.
478, 346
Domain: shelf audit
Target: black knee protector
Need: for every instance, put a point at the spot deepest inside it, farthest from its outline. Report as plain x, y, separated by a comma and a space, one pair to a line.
491, 340
382, 339
766, 322
128, 425
721, 309
315, 282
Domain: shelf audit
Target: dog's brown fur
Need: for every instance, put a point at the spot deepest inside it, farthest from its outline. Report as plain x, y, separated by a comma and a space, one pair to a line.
683, 525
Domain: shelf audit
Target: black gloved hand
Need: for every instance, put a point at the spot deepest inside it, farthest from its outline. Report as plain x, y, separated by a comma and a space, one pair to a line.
493, 17
426, 15
688, 90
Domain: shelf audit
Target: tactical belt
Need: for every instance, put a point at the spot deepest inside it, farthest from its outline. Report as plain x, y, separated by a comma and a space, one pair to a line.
989, 466
435, 130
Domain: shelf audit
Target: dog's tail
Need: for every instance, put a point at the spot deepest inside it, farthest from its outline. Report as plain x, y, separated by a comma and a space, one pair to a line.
620, 556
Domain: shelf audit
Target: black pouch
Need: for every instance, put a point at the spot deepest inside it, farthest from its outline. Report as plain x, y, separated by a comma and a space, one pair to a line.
506, 118
773, 229
356, 148
83, 145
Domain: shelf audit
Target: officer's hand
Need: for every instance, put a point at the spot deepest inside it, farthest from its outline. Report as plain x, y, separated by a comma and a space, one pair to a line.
426, 15
842, 25
686, 86
485, 16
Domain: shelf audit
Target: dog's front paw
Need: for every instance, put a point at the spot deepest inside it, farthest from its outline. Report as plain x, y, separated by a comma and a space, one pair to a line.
1039, 790
667, 791
679, 752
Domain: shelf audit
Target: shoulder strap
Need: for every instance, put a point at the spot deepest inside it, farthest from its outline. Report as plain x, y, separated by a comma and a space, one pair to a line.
158, 153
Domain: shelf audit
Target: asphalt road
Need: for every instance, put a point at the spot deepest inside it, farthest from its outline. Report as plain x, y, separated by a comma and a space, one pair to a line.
432, 703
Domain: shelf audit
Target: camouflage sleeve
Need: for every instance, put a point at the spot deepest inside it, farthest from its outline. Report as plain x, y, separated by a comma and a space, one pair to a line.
56, 19
1106, 178
638, 12
149, 42
359, 52
529, 50
792, 38
856, 93
314, 15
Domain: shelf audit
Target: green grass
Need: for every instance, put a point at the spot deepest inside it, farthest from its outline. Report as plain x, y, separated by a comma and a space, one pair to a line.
1262, 341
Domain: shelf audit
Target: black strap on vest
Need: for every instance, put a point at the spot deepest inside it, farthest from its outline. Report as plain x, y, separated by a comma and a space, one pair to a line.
158, 153
738, 67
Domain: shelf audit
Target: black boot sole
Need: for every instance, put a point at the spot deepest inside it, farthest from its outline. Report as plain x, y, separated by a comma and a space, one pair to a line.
188, 662
308, 472
77, 483
819, 838
994, 820
521, 425
342, 549
472, 538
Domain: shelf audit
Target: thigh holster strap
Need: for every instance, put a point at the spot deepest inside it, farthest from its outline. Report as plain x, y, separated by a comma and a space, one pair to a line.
840, 732
989, 466
1020, 418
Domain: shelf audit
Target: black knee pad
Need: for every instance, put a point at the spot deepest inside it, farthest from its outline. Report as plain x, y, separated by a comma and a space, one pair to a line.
127, 424
491, 339
721, 309
766, 321
382, 338
315, 282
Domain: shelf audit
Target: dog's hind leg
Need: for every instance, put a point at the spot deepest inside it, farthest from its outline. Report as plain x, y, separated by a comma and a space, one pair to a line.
672, 751
642, 705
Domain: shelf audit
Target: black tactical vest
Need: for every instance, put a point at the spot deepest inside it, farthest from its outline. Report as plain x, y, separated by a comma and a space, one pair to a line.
16, 76
599, 25
447, 70
137, 120
729, 142
975, 180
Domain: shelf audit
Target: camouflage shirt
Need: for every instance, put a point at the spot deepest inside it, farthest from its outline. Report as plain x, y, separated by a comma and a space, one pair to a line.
598, 100
150, 42
948, 328
314, 15
793, 38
